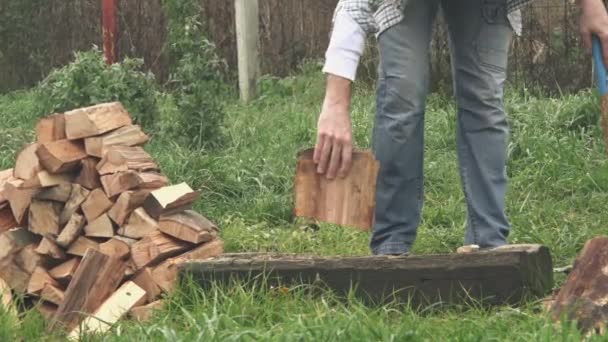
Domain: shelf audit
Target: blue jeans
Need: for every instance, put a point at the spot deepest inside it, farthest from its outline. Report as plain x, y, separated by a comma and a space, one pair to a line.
480, 35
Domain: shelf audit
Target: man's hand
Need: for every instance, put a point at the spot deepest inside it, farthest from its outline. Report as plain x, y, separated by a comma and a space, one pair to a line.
594, 21
334, 148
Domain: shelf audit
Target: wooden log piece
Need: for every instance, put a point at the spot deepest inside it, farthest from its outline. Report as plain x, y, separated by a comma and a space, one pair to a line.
71, 231
50, 128
44, 217
58, 193
156, 247
13, 240
117, 183
139, 224
116, 248
16, 278
146, 312
52, 294
44, 179
49, 248
188, 226
88, 176
65, 271
145, 280
81, 245
47, 310
152, 180
40, 278
101, 227
6, 297
169, 200
78, 195
125, 136
124, 158
5, 176
7, 220
28, 259
19, 199
126, 203
95, 120
96, 204
61, 156
27, 164
88, 290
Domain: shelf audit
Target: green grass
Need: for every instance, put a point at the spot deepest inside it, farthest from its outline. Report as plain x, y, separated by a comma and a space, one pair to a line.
557, 196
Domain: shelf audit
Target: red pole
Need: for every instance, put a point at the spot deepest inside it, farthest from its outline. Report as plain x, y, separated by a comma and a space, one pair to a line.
109, 25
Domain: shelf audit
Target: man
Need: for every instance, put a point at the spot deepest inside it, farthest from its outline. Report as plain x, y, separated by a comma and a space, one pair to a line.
480, 33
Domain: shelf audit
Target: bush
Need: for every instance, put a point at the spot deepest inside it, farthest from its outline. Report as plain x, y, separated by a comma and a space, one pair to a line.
88, 81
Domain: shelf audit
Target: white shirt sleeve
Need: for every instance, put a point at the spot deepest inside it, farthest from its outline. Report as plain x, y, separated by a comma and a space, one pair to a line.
345, 47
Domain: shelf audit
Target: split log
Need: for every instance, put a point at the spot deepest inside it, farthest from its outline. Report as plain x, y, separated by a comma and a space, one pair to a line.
7, 220
117, 183
27, 164
6, 297
28, 259
49, 248
88, 290
64, 272
52, 294
40, 278
96, 204
81, 245
101, 227
95, 120
88, 176
138, 225
44, 217
44, 179
58, 193
5, 176
348, 201
77, 196
50, 128
71, 230
61, 156
169, 200
583, 297
145, 312
125, 158
12, 241
16, 278
152, 180
115, 247
188, 226
125, 136
145, 280
131, 268
156, 247
19, 199
126, 203
126, 240
112, 310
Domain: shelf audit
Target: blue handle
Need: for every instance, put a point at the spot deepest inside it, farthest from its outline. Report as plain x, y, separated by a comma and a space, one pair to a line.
600, 68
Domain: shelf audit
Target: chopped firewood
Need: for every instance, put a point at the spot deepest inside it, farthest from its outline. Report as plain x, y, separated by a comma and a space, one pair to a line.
88, 176
125, 204
165, 274
188, 226
139, 224
16, 278
124, 136
156, 247
52, 294
47, 310
5, 176
65, 271
125, 239
77, 196
28, 259
44, 217
97, 277
152, 180
131, 268
95, 120
145, 312
14, 240
58, 193
6, 296
61, 156
71, 230
117, 183
80, 246
50, 128
44, 179
18, 198
39, 279
116, 248
113, 309
96, 204
27, 164
169, 200
7, 220
101, 227
144, 279
49, 248
124, 158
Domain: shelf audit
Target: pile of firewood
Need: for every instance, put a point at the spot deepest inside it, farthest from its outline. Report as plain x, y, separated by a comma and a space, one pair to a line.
90, 225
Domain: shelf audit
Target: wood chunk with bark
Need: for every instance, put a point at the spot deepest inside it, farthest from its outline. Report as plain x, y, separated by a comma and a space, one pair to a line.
117, 183
28, 259
188, 226
88, 176
152, 180
77, 196
14, 276
116, 247
7, 220
584, 295
44, 179
19, 199
125, 136
40, 278
59, 193
156, 247
27, 164
145, 312
5, 176
81, 245
126, 203
12, 241
139, 224
95, 120
88, 290
61, 156
50, 128
96, 204
49, 248
52, 294
124, 158
169, 200
44, 217
65, 271
345, 201
71, 230
112, 310
145, 280
101, 227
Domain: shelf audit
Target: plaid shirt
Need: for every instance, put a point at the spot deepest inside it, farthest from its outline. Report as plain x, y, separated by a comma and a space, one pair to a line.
375, 16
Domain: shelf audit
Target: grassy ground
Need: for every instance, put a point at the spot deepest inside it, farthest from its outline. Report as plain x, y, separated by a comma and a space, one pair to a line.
558, 190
